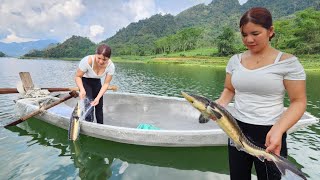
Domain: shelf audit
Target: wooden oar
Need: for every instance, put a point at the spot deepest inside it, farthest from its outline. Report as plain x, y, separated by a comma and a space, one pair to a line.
14, 90
71, 95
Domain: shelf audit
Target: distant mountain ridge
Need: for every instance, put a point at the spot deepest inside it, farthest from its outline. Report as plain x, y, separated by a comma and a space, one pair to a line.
140, 38
74, 47
18, 49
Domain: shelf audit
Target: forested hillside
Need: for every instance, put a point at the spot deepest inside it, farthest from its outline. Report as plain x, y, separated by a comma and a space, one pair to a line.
299, 34
204, 26
208, 19
74, 47
139, 38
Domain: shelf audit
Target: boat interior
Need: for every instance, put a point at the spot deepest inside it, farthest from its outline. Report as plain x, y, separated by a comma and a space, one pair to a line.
164, 113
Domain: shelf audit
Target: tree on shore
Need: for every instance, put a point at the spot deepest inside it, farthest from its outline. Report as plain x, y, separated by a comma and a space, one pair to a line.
299, 33
226, 42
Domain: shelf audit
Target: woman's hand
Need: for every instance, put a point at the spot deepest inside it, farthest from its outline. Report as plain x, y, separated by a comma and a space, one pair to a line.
274, 140
82, 94
95, 102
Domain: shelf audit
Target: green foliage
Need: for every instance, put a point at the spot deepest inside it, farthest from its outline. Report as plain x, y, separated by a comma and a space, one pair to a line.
308, 32
138, 38
226, 42
159, 34
2, 54
300, 33
183, 40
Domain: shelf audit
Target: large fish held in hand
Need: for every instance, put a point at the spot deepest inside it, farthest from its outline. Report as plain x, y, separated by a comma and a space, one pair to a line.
211, 110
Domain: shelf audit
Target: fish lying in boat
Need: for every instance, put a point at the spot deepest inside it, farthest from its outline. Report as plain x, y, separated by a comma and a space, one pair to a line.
211, 110
74, 126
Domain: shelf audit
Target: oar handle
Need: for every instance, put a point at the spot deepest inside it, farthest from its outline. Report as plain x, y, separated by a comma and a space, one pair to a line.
111, 87
8, 90
14, 90
71, 95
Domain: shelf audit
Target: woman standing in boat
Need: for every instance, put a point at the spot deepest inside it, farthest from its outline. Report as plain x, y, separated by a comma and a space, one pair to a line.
88, 79
257, 80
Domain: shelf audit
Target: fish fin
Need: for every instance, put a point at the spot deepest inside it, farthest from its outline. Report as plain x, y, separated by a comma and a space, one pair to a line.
203, 119
217, 115
237, 146
261, 158
284, 165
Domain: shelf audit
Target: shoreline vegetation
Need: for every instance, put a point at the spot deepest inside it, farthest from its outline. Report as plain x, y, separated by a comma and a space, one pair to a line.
200, 57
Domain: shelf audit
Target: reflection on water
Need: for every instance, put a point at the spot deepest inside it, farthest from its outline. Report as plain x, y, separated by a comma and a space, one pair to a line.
94, 158
91, 166
37, 150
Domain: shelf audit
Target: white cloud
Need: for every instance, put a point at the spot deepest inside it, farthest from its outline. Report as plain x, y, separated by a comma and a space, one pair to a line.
38, 19
140, 9
21, 20
95, 30
14, 38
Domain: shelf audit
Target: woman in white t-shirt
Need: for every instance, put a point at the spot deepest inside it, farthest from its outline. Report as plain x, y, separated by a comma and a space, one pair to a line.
88, 78
257, 79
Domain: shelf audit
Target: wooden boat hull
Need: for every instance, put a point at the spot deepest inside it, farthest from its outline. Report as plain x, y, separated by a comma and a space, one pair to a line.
176, 120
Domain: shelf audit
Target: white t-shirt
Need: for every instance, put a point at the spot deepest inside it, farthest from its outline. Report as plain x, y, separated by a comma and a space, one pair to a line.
88, 70
259, 93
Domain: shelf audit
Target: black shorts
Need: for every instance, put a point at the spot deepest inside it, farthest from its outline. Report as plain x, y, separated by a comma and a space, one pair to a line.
240, 163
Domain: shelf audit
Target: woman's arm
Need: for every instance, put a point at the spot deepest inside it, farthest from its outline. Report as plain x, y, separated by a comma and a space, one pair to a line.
298, 101
78, 79
227, 93
103, 89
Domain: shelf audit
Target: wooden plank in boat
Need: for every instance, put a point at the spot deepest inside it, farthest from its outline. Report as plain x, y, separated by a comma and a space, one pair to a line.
26, 81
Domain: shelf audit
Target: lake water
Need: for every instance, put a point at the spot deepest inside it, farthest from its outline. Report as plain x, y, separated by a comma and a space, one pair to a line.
37, 150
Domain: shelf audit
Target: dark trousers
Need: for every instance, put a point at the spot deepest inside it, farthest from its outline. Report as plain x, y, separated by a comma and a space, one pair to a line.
240, 163
92, 87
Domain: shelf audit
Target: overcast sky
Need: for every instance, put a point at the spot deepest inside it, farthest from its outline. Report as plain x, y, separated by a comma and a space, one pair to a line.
27, 20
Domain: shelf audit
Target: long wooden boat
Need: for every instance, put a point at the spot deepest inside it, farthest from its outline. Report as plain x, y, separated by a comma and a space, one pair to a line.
175, 120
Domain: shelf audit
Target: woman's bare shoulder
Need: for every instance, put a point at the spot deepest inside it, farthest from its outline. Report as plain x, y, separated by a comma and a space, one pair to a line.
286, 56
90, 58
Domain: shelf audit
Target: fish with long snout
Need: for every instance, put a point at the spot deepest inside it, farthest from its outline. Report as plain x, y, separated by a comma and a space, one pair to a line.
74, 125
211, 110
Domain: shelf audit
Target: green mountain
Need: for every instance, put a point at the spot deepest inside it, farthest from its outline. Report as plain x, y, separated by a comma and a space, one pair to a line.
198, 26
139, 38
74, 47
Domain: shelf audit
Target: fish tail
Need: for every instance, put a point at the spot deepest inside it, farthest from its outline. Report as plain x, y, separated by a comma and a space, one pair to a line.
285, 165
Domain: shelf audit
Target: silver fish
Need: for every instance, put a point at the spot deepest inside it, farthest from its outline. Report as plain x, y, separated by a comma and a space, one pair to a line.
211, 110
74, 126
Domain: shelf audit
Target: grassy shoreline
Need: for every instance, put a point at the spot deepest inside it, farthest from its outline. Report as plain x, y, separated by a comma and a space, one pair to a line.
310, 63
196, 57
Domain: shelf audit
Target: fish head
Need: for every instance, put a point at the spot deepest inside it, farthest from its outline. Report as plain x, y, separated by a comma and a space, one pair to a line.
196, 101
202, 104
